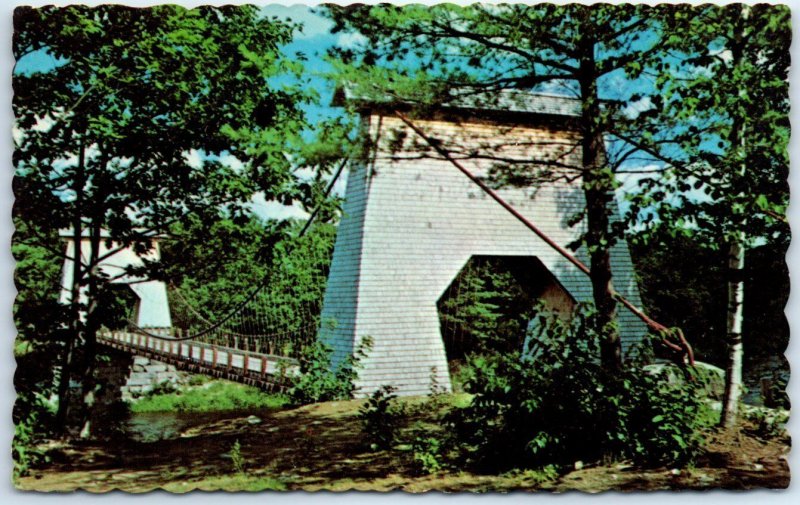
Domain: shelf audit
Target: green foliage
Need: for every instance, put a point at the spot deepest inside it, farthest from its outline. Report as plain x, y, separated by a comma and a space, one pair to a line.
215, 396
557, 405
149, 115
237, 460
33, 423
693, 295
215, 268
663, 422
380, 416
24, 451
198, 380
319, 381
427, 451
486, 308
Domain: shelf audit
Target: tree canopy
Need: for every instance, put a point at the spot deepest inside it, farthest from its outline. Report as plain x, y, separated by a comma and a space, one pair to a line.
148, 116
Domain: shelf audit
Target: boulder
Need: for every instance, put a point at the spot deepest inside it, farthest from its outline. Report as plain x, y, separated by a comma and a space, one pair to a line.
711, 378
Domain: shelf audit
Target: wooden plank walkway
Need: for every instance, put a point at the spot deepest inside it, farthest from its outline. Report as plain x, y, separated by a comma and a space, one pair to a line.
265, 371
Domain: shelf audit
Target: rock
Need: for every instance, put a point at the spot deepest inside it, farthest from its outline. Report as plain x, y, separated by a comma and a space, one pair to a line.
139, 380
161, 377
675, 471
253, 420
758, 467
578, 465
710, 377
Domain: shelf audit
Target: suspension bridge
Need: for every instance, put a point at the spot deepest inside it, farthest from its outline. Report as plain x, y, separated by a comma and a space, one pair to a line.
420, 223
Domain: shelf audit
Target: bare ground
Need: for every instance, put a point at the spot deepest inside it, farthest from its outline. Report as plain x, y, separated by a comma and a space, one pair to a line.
321, 447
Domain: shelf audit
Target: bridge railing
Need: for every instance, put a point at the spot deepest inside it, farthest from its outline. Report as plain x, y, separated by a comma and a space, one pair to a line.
267, 371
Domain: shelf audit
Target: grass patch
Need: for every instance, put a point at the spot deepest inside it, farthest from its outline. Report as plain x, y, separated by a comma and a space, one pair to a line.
213, 396
235, 482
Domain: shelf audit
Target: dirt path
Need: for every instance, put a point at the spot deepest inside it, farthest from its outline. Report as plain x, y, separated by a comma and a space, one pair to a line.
321, 447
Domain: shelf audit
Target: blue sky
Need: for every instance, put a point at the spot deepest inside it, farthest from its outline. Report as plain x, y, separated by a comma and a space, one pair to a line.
313, 39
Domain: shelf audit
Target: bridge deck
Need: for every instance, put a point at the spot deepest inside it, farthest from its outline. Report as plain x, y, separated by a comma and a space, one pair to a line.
265, 371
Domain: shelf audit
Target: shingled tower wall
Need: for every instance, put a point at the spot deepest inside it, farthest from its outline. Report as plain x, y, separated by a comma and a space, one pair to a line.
411, 221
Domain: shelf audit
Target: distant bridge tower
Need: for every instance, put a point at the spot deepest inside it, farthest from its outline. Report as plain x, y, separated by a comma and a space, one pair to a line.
411, 222
152, 305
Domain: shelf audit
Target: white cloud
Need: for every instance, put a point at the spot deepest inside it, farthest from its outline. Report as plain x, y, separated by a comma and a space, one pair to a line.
724, 54
350, 39
560, 87
231, 161
313, 24
635, 108
276, 210
43, 124
193, 158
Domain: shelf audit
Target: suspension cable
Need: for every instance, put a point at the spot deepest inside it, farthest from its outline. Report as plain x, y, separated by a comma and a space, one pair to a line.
659, 328
264, 280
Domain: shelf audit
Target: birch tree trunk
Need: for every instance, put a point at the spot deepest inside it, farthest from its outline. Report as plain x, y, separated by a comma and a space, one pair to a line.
736, 252
733, 376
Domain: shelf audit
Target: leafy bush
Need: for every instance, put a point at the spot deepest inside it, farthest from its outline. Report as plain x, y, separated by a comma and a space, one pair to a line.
660, 423
23, 448
428, 453
318, 381
555, 404
33, 422
380, 416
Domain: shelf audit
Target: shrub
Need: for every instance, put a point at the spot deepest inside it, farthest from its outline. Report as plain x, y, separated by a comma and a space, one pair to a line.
427, 453
23, 449
236, 457
660, 423
555, 404
318, 381
380, 416
33, 422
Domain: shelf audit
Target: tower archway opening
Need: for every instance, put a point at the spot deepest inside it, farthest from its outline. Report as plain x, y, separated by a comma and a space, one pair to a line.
491, 303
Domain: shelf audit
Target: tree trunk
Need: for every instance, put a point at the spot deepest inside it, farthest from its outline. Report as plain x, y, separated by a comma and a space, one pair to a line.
86, 375
67, 357
598, 186
733, 382
736, 250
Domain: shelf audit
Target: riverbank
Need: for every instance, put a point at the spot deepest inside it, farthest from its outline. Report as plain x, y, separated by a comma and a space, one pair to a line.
321, 446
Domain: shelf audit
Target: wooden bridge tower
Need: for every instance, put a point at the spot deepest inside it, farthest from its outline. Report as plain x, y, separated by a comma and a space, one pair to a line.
412, 221
152, 306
